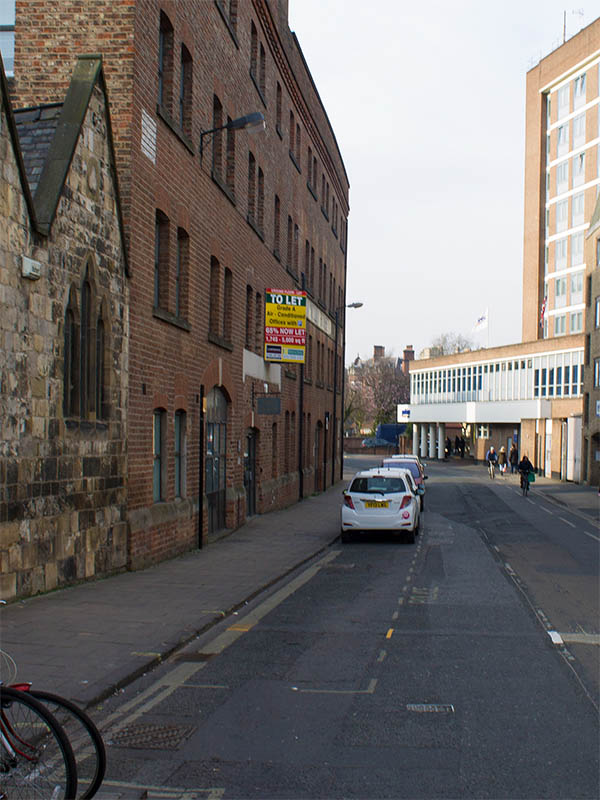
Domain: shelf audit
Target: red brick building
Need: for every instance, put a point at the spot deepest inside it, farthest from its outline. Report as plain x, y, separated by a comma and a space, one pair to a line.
211, 222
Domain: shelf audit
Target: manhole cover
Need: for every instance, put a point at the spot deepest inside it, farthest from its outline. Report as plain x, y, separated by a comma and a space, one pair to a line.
152, 737
428, 708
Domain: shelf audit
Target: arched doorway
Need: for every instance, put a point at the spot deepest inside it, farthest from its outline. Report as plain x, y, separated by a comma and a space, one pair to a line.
216, 458
250, 471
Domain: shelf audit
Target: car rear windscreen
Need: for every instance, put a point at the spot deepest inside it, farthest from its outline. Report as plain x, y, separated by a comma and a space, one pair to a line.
377, 485
411, 466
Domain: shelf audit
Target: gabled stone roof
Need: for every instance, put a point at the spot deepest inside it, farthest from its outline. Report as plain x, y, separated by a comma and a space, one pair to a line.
45, 138
36, 128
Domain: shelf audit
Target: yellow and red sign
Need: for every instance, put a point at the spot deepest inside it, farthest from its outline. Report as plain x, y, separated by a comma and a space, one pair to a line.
285, 325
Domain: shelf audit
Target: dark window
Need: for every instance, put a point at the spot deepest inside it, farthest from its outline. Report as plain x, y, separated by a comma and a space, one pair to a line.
253, 52
181, 273
276, 226
262, 69
214, 296
217, 139
278, 108
249, 321
161, 261
258, 323
230, 167
185, 92
180, 453
260, 201
159, 468
71, 359
251, 188
227, 305
100, 376
165, 62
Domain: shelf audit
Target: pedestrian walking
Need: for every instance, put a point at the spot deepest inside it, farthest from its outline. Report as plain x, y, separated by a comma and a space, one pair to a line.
462, 446
513, 458
502, 460
448, 447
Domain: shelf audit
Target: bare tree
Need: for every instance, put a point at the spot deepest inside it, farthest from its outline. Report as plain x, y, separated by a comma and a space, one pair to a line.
447, 343
378, 387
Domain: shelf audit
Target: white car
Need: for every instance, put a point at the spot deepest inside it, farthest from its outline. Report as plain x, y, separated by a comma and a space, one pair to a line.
381, 499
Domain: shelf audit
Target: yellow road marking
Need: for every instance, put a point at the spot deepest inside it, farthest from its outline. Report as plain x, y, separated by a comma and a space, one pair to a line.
389, 633
241, 627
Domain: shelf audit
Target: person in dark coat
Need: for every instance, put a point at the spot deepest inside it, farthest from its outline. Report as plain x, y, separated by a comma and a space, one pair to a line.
448, 447
513, 458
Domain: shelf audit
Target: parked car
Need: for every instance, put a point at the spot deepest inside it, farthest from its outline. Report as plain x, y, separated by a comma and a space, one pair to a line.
376, 441
381, 499
415, 467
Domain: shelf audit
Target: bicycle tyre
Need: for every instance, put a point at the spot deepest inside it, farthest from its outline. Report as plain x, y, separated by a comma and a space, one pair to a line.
81, 730
44, 765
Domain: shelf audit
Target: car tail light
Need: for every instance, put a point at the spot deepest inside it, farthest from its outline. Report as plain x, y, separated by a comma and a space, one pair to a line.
348, 502
405, 501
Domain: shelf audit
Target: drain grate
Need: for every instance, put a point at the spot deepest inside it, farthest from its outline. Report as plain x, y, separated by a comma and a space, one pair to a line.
428, 708
152, 737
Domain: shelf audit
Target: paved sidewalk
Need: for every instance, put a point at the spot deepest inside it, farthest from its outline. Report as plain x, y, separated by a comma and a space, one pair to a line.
84, 642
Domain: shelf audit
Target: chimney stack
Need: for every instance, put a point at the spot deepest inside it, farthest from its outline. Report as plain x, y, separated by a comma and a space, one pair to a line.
409, 355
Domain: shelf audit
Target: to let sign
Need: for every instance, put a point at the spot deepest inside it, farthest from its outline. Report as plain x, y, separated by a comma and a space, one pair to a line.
285, 325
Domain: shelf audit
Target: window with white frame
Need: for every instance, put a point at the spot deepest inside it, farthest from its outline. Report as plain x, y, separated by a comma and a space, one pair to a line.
483, 431
560, 325
563, 101
578, 209
576, 322
596, 373
576, 288
560, 254
562, 145
562, 177
560, 292
579, 91
577, 249
579, 130
578, 169
562, 215
597, 314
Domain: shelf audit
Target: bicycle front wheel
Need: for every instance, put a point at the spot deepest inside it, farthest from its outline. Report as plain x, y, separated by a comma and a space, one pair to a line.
84, 737
36, 759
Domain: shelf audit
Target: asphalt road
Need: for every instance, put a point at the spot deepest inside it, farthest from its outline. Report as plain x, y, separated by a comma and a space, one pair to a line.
389, 670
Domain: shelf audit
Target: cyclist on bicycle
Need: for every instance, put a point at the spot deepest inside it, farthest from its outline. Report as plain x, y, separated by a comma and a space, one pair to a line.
491, 458
525, 467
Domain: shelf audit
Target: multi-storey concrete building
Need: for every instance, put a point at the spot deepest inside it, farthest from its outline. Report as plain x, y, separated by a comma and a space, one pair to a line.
532, 393
214, 216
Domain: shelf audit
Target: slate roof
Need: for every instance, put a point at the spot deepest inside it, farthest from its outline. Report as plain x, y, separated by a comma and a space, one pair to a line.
36, 128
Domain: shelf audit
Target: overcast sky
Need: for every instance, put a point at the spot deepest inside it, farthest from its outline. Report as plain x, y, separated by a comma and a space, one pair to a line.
427, 104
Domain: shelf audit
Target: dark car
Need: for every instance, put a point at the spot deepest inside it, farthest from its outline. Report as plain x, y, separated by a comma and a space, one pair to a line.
375, 441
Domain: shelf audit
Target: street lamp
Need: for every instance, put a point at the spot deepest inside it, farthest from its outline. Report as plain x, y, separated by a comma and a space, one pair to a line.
335, 361
251, 122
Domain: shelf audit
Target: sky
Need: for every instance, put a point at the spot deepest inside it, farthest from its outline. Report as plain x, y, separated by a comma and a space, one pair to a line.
427, 102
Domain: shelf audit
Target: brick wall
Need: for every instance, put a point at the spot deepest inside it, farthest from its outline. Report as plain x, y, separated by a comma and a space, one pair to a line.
172, 359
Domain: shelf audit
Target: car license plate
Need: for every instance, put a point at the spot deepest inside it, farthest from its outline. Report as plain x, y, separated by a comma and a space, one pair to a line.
376, 504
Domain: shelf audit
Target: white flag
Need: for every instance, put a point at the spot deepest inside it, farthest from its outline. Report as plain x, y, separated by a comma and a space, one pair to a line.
482, 322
